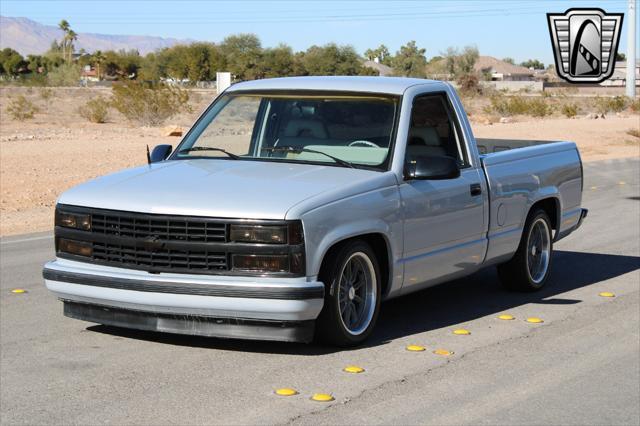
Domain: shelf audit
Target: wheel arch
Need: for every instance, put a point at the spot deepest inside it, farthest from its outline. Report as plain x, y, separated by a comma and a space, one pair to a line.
380, 245
551, 206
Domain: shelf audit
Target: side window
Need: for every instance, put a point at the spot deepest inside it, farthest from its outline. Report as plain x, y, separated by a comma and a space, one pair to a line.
434, 130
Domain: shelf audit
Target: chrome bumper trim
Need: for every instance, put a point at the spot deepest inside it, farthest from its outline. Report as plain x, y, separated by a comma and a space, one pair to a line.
217, 290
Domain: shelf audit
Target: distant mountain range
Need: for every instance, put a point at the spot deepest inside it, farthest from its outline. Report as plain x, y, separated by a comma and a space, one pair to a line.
30, 37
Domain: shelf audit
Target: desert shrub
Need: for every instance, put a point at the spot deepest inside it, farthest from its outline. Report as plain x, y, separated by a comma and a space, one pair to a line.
46, 94
64, 75
95, 110
606, 105
635, 105
538, 107
469, 84
634, 132
514, 105
570, 110
149, 104
20, 108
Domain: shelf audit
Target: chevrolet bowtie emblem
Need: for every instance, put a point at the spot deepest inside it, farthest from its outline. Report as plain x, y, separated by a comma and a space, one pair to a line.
152, 243
585, 42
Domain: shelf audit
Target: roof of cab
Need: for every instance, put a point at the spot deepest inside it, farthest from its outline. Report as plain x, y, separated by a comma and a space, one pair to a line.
385, 85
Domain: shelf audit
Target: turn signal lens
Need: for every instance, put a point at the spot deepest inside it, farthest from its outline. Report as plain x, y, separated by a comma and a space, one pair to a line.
79, 248
267, 234
261, 263
70, 220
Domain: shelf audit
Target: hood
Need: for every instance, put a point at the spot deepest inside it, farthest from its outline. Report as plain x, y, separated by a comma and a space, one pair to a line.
216, 188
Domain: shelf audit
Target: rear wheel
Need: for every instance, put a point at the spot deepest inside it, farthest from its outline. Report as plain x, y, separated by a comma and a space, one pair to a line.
529, 268
352, 294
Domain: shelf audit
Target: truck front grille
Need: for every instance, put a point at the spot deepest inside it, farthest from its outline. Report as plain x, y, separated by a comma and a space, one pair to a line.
160, 259
160, 243
163, 228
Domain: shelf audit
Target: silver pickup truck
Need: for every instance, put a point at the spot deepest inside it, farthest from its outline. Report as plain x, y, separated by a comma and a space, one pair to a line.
295, 206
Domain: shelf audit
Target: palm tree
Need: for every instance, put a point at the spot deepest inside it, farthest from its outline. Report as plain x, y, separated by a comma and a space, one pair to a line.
98, 59
64, 26
71, 37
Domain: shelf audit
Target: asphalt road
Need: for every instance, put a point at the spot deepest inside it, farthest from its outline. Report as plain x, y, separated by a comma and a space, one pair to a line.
581, 366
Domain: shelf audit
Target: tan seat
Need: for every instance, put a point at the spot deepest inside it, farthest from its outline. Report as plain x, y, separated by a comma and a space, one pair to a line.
424, 142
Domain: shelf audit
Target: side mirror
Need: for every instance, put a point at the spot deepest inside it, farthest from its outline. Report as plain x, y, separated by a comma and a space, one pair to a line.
432, 168
159, 153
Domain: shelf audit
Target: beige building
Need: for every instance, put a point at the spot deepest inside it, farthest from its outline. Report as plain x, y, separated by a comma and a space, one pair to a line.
501, 70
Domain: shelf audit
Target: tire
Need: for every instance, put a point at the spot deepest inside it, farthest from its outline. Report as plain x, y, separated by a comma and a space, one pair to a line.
530, 273
348, 263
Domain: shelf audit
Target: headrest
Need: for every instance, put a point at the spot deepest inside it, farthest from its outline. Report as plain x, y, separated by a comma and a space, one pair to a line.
428, 134
305, 127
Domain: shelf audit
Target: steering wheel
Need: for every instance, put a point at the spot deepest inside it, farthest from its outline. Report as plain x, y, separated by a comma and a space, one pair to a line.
365, 143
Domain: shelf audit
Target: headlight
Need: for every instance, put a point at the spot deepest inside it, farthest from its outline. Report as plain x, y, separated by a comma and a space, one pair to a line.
71, 220
267, 234
79, 248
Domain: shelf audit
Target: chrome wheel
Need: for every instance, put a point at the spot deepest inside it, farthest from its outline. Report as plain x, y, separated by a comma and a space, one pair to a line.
538, 250
357, 293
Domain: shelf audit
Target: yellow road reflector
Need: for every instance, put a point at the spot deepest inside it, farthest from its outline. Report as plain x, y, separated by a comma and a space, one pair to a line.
594, 188
607, 294
18, 291
322, 397
534, 320
443, 352
286, 392
415, 348
353, 369
506, 317
461, 332
622, 182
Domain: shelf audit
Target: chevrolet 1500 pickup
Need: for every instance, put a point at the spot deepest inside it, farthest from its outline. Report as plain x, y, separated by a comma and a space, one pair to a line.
293, 207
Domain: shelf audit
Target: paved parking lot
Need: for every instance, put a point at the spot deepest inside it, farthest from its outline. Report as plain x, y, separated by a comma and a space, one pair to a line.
580, 366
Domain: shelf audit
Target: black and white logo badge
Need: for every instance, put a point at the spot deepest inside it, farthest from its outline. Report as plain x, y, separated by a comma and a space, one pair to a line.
585, 42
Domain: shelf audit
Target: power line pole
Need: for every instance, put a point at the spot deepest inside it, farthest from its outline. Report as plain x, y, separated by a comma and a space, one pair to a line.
631, 49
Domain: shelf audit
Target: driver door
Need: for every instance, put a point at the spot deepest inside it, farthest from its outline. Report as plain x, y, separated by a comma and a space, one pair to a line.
443, 219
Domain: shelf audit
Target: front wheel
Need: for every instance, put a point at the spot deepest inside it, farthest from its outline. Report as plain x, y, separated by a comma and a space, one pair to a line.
352, 294
529, 268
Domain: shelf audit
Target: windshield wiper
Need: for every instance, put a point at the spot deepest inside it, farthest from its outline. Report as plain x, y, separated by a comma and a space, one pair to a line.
208, 148
298, 150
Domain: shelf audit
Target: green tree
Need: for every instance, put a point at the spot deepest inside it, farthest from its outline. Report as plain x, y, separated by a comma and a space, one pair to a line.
381, 52
533, 63
242, 53
509, 60
11, 62
459, 63
202, 60
332, 59
98, 61
67, 40
410, 61
277, 62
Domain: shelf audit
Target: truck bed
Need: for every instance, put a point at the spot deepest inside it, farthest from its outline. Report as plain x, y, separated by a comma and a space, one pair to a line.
490, 145
521, 173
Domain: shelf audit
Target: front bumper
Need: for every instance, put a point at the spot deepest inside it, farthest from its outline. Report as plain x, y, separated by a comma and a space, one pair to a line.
234, 307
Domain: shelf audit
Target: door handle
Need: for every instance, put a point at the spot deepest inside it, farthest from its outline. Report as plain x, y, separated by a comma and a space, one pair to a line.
476, 189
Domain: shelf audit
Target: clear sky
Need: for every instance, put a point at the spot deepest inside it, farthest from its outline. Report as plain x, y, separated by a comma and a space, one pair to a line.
501, 28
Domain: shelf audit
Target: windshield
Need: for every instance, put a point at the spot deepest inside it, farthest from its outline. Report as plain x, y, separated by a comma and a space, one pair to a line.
342, 130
